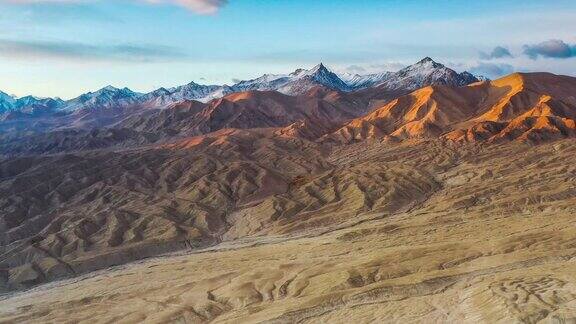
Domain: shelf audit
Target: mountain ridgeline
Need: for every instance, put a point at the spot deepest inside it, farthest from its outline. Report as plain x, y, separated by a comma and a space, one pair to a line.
424, 100
425, 72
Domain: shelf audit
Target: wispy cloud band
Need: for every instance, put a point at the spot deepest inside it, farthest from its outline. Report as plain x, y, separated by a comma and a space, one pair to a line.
16, 49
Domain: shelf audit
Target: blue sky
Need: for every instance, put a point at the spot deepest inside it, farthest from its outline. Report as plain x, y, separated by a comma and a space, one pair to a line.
66, 47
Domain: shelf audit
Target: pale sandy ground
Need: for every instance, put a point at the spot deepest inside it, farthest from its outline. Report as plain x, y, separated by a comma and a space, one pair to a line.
496, 244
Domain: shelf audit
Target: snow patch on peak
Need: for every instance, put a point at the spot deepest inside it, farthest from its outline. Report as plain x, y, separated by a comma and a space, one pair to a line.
359, 81
7, 97
320, 68
297, 82
6, 102
427, 61
423, 73
427, 72
109, 88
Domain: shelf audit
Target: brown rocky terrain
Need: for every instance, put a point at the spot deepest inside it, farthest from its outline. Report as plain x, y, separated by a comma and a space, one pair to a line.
135, 126
493, 242
449, 204
68, 214
326, 109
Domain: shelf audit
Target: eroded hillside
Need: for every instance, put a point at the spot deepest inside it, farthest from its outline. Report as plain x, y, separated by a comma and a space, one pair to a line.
493, 242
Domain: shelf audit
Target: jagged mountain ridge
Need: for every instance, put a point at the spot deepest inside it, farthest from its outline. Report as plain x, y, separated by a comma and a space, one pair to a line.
528, 107
27, 104
6, 102
359, 81
192, 91
426, 72
107, 97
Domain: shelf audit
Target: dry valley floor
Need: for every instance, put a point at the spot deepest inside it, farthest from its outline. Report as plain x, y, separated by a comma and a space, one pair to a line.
493, 240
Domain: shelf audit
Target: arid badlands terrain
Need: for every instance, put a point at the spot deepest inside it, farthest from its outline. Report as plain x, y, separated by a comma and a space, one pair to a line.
446, 204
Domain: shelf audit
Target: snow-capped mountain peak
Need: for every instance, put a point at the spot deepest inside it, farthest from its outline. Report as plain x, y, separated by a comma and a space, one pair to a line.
428, 61
297, 72
163, 97
318, 69
120, 92
5, 96
423, 73
109, 88
30, 104
303, 80
296, 82
358, 81
30, 99
263, 83
424, 66
6, 102
107, 97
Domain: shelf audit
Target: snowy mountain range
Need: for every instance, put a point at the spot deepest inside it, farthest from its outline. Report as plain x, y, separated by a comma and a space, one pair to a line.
362, 81
425, 72
6, 102
28, 104
107, 97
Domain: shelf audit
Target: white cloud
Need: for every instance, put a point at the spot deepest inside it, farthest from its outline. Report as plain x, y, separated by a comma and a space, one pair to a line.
497, 53
553, 48
491, 70
203, 7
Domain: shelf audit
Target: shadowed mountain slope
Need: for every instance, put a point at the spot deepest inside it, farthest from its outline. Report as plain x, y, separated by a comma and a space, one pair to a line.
67, 214
323, 109
253, 109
